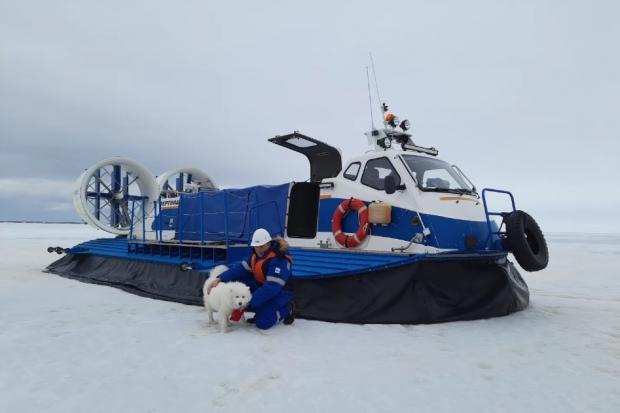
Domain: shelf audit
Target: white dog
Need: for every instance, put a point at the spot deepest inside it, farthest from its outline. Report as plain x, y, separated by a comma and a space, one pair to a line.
224, 297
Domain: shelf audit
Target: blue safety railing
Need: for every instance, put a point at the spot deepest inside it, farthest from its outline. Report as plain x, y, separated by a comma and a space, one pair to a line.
157, 248
489, 214
147, 240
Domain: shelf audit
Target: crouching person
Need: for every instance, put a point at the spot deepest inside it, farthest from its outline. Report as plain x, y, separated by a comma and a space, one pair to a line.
266, 272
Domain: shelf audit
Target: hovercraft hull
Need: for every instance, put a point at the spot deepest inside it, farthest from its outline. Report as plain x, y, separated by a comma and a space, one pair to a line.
335, 286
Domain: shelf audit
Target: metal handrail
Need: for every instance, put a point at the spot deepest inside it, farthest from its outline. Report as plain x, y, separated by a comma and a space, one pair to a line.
489, 214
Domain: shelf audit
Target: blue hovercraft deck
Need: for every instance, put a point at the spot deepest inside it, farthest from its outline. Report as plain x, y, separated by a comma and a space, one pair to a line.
308, 263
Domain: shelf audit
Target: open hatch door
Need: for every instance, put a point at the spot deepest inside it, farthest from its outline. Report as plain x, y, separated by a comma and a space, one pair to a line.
325, 160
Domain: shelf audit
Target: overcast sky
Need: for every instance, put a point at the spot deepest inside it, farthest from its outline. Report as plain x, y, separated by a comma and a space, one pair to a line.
522, 95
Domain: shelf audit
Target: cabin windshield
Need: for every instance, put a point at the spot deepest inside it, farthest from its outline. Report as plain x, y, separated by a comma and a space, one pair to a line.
436, 175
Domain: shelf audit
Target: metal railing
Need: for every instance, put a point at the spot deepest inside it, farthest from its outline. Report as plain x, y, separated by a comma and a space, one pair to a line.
195, 229
489, 214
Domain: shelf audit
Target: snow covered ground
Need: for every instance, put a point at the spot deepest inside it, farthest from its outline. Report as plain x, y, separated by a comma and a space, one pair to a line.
66, 346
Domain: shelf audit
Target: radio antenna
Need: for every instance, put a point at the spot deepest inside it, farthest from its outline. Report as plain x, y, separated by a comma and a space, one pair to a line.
382, 107
372, 120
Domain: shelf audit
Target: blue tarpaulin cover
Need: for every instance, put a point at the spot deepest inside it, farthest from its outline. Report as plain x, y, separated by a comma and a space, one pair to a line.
208, 216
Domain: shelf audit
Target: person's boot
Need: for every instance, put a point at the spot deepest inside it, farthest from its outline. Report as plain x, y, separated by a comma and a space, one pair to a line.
291, 313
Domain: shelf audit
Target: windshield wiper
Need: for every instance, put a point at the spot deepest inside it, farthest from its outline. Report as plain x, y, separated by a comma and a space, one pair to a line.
433, 189
450, 190
463, 191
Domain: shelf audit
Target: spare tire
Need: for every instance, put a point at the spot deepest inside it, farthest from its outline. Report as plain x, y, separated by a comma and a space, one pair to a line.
526, 241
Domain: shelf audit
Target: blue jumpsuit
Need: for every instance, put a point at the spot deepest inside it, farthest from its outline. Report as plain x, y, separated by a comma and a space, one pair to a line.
269, 300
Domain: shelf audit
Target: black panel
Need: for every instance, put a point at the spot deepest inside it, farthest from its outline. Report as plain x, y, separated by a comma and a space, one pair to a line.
303, 210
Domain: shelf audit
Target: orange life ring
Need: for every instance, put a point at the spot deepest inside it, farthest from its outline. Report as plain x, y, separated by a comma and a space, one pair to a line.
355, 239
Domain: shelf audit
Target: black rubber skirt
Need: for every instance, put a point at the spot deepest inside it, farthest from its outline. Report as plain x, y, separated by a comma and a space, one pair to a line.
428, 291
148, 279
417, 293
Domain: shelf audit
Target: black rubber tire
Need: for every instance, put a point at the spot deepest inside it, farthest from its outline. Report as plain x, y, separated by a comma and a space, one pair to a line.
526, 241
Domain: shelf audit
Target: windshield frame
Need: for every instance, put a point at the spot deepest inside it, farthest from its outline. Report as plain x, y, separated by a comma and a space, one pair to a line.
467, 187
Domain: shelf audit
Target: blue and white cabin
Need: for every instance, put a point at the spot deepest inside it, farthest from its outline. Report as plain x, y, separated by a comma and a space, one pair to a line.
434, 206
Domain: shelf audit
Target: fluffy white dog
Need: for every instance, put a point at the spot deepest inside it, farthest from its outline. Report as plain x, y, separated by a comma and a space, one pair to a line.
224, 297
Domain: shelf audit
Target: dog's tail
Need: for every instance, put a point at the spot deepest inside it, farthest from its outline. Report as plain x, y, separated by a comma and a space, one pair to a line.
212, 275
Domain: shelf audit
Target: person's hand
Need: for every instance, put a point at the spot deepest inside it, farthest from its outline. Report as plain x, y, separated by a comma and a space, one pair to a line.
215, 283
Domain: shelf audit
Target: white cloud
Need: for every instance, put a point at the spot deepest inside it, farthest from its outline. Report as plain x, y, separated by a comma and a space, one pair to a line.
36, 187
59, 206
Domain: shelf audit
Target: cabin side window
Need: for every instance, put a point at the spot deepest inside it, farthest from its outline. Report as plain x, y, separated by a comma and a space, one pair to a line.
352, 171
375, 172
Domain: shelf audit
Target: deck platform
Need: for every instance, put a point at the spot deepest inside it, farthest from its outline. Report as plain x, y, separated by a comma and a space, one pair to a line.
307, 262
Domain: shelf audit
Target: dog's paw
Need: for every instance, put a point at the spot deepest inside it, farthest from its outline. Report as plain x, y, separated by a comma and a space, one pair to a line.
224, 328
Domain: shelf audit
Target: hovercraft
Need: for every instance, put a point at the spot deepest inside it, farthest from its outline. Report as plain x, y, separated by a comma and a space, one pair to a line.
396, 235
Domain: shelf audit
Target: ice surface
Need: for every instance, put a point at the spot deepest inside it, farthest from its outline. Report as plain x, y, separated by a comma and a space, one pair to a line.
66, 346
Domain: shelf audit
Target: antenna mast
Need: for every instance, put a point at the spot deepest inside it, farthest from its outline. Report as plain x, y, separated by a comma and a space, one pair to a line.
372, 121
382, 106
